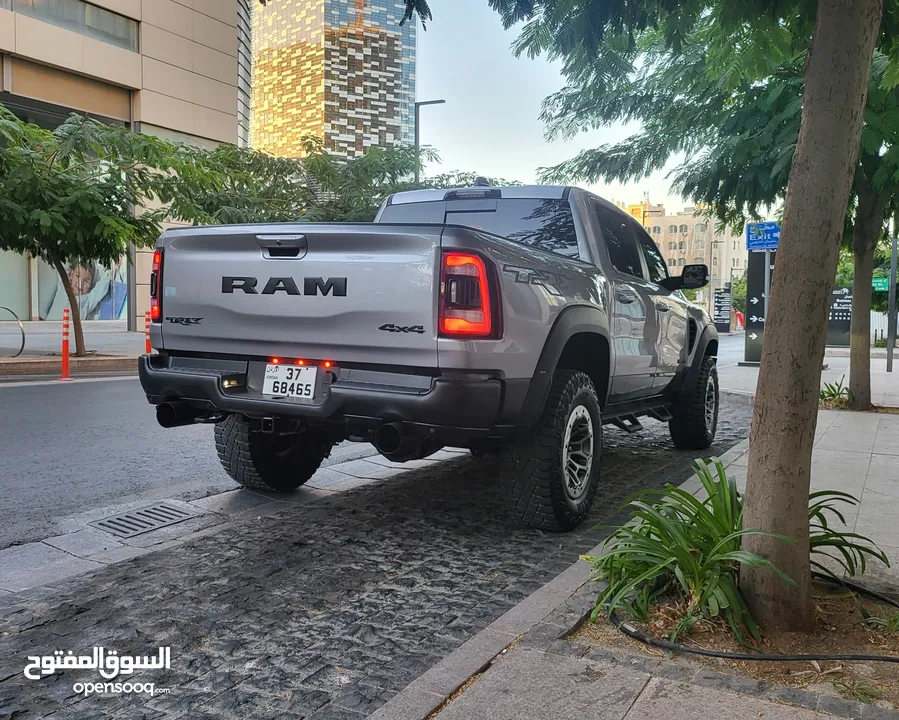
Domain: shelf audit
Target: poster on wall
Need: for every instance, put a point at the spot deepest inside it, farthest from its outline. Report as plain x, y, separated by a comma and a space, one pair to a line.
101, 291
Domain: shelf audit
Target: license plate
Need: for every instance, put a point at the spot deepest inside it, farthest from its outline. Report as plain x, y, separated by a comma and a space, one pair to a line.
289, 381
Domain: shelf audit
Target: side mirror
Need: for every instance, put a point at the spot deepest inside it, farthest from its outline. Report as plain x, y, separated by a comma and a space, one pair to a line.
692, 277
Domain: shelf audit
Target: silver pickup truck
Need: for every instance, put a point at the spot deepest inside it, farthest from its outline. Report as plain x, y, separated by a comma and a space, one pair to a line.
514, 321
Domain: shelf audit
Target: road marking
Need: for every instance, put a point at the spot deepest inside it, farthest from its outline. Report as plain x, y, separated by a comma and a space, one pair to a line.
54, 381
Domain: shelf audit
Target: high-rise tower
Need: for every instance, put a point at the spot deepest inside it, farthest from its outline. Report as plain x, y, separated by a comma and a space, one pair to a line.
342, 70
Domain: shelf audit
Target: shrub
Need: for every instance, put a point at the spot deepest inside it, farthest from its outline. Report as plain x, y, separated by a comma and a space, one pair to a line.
680, 546
834, 394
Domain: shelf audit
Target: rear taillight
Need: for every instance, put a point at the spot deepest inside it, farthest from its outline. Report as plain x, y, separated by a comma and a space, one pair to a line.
465, 309
156, 288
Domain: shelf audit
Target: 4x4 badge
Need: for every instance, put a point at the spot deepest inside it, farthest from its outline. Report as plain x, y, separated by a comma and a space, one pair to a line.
391, 328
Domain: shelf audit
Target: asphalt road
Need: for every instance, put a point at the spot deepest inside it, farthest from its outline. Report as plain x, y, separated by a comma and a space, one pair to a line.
730, 349
66, 448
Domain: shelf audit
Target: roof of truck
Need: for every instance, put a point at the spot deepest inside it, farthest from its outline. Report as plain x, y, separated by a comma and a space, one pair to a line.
549, 192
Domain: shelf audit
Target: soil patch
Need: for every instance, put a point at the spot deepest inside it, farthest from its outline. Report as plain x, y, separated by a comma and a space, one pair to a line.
841, 628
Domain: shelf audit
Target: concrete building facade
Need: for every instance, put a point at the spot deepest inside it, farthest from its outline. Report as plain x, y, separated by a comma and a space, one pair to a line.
340, 70
687, 237
172, 68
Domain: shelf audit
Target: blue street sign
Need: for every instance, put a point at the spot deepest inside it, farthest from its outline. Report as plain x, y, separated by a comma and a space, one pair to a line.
762, 236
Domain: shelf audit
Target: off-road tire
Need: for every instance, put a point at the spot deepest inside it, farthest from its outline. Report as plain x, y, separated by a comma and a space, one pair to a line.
531, 469
256, 461
690, 430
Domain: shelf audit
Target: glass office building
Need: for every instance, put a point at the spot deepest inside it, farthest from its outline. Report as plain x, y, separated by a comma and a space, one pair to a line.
340, 70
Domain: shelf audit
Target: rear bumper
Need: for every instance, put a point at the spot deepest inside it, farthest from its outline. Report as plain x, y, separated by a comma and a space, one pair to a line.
469, 404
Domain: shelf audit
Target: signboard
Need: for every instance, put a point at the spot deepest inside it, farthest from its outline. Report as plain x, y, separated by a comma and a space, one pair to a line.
838, 316
880, 284
762, 236
755, 305
722, 305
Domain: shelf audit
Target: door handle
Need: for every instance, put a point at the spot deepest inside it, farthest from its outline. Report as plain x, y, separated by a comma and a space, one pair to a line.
624, 298
662, 307
283, 246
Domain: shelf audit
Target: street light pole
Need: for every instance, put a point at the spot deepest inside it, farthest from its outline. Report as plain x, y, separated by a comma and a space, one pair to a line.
417, 135
891, 308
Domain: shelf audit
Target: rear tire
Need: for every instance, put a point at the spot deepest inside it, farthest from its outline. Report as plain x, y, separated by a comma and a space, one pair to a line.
695, 418
551, 475
263, 461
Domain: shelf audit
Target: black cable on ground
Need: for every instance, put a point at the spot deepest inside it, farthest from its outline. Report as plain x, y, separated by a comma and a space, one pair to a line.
635, 634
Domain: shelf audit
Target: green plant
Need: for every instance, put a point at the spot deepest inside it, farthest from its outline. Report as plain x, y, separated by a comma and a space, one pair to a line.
889, 623
857, 690
849, 550
680, 545
835, 393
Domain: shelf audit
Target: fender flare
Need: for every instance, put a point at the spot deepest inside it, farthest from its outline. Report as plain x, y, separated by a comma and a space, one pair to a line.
708, 335
570, 322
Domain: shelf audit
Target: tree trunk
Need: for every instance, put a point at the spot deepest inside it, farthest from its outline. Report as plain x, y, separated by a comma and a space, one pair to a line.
865, 234
80, 350
786, 406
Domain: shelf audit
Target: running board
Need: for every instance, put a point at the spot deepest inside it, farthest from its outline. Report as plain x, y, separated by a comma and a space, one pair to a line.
628, 423
661, 414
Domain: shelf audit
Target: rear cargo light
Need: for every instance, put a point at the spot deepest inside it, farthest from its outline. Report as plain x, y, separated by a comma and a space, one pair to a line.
156, 288
276, 361
464, 296
328, 363
301, 362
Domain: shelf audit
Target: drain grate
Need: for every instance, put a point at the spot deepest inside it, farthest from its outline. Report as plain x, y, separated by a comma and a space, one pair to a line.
142, 520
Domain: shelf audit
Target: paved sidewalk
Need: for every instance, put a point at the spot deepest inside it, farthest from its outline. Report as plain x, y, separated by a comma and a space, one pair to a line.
111, 348
884, 385
546, 675
107, 337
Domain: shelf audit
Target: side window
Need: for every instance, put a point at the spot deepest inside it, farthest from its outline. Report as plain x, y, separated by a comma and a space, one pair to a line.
620, 241
655, 263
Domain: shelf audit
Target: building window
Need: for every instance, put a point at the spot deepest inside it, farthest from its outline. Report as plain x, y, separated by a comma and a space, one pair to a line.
714, 261
698, 261
672, 262
681, 262
700, 227
683, 228
672, 228
656, 230
714, 279
682, 245
672, 245
700, 244
84, 19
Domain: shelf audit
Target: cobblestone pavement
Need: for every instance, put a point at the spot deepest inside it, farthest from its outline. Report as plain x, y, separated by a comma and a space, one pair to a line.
325, 610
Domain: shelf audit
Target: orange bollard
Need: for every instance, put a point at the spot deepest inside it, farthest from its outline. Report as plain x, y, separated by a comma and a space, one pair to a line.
149, 347
65, 345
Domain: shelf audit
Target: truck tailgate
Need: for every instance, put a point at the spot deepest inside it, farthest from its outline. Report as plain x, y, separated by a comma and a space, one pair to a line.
347, 293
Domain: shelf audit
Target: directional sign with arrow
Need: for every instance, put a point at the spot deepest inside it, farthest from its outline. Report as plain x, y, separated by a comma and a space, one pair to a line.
755, 294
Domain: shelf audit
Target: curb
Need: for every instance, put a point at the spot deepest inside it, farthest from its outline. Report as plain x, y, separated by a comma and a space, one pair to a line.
743, 397
52, 365
844, 352
544, 617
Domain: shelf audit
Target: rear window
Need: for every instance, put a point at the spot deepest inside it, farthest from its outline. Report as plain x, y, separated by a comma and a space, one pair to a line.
544, 224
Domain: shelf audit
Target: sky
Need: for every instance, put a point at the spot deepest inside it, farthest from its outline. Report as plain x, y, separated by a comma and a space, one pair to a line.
491, 123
